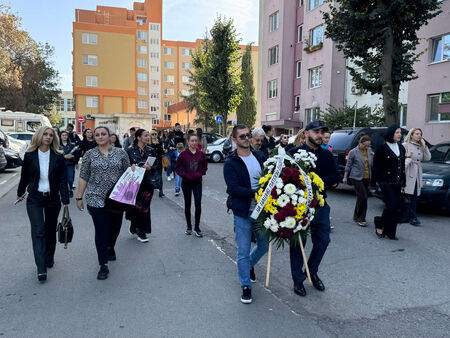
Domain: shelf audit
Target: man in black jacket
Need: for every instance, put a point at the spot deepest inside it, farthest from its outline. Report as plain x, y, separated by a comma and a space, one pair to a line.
320, 226
242, 171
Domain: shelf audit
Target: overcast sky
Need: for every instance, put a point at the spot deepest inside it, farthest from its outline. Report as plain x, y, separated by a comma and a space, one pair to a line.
51, 21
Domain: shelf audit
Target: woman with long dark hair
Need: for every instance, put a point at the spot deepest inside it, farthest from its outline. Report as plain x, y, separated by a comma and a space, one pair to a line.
101, 169
389, 172
169, 148
88, 141
44, 177
202, 141
70, 159
268, 143
157, 145
140, 215
115, 140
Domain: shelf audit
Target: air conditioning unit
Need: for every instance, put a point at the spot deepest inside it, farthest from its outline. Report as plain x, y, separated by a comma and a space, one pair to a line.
88, 117
356, 91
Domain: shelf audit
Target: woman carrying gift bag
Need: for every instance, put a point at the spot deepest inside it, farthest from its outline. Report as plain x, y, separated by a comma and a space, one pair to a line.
101, 168
44, 177
140, 215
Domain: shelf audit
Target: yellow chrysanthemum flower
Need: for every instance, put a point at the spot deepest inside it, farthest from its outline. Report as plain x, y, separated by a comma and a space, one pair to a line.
264, 179
300, 209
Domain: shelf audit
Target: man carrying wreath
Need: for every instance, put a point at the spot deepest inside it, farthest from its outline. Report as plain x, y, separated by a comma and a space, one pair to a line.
320, 226
242, 171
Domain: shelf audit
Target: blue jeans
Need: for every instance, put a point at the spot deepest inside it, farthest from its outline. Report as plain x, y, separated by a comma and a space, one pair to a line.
320, 237
70, 172
243, 228
171, 167
177, 183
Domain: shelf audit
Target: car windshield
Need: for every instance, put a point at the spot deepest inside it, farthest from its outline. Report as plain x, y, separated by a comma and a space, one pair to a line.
340, 140
219, 141
440, 152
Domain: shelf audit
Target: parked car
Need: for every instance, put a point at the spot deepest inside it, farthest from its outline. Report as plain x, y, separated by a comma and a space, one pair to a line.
14, 150
344, 140
23, 136
3, 161
212, 137
436, 179
214, 152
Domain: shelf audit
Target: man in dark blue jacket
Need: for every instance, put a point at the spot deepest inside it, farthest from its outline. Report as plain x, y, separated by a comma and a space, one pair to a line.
242, 171
320, 226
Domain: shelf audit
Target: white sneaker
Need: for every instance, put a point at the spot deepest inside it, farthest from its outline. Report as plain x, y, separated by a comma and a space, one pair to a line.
172, 176
169, 178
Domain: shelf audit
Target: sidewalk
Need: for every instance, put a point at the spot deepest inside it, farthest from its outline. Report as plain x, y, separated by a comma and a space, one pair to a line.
173, 286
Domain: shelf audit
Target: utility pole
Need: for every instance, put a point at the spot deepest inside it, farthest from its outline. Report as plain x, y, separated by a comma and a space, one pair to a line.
354, 116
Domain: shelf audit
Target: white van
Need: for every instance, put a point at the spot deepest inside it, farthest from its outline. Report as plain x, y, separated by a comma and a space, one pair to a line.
11, 121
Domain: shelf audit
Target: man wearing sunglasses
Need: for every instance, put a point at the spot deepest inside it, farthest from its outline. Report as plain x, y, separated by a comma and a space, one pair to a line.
242, 171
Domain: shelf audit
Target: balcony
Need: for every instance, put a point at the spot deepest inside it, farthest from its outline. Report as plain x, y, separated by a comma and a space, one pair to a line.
312, 48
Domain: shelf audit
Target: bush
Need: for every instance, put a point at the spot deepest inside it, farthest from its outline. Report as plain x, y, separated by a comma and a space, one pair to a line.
337, 118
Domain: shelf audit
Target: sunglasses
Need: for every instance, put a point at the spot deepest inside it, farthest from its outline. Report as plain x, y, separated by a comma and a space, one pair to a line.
244, 136
153, 134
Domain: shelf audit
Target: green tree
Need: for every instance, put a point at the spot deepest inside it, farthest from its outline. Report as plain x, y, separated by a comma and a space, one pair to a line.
246, 111
380, 37
337, 118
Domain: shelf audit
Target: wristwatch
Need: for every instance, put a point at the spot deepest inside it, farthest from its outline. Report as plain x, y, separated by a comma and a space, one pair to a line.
79, 199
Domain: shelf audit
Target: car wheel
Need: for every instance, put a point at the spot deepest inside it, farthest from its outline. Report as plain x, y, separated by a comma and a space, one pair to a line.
216, 157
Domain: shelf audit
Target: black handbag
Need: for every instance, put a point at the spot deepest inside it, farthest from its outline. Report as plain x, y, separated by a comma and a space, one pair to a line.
114, 206
65, 229
153, 180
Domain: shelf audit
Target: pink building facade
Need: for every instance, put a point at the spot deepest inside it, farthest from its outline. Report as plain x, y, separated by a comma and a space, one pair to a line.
429, 94
301, 72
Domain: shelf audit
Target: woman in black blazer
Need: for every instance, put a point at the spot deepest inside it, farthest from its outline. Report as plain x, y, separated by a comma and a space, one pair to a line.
44, 177
389, 172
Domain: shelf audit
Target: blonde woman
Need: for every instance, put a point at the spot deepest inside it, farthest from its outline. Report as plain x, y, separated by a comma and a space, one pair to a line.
416, 152
298, 141
44, 177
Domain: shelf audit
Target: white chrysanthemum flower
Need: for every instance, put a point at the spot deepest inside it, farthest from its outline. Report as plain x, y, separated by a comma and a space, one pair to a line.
267, 223
301, 200
283, 200
294, 198
278, 192
274, 228
280, 183
290, 189
289, 223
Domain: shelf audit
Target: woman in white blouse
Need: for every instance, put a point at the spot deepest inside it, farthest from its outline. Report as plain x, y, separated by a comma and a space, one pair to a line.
44, 177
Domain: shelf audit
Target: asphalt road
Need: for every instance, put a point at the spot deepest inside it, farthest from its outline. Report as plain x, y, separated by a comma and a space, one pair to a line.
177, 285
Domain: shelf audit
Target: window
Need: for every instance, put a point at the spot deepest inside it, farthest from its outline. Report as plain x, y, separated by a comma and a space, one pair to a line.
142, 91
90, 60
273, 56
316, 36
71, 105
91, 101
154, 27
271, 116
167, 104
155, 82
167, 117
89, 38
154, 55
142, 76
312, 114
186, 51
155, 121
185, 92
142, 104
297, 103
142, 63
272, 89
154, 95
154, 108
60, 105
169, 65
315, 77
440, 49
300, 3
141, 20
142, 49
314, 4
91, 81
142, 35
154, 41
7, 123
274, 21
298, 69
439, 107
154, 68
169, 78
299, 33
168, 51
169, 91
185, 79
186, 65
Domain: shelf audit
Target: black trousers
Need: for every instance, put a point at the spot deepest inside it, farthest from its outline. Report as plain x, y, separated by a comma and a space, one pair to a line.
392, 212
107, 228
410, 205
189, 189
43, 213
362, 194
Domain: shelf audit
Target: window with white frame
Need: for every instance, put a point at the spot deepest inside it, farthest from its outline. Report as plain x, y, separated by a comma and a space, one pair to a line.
154, 95
142, 35
155, 82
169, 78
314, 4
312, 114
315, 77
439, 107
169, 91
154, 27
142, 77
316, 36
185, 79
298, 69
90, 60
154, 109
274, 21
155, 121
91, 81
273, 55
167, 104
167, 117
168, 51
154, 55
186, 65
272, 89
186, 51
154, 41
142, 49
271, 116
92, 101
403, 115
141, 20
299, 33
440, 48
169, 65
89, 38
142, 91
297, 103
142, 104
142, 63
154, 68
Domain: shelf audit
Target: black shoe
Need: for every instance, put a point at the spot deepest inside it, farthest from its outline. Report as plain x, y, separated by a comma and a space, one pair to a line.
246, 297
252, 275
198, 233
378, 234
111, 254
317, 283
50, 264
142, 237
103, 272
188, 232
161, 194
299, 289
414, 222
70, 193
42, 277
132, 231
404, 220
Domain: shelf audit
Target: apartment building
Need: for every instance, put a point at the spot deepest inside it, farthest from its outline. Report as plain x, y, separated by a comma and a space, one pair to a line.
65, 105
301, 72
